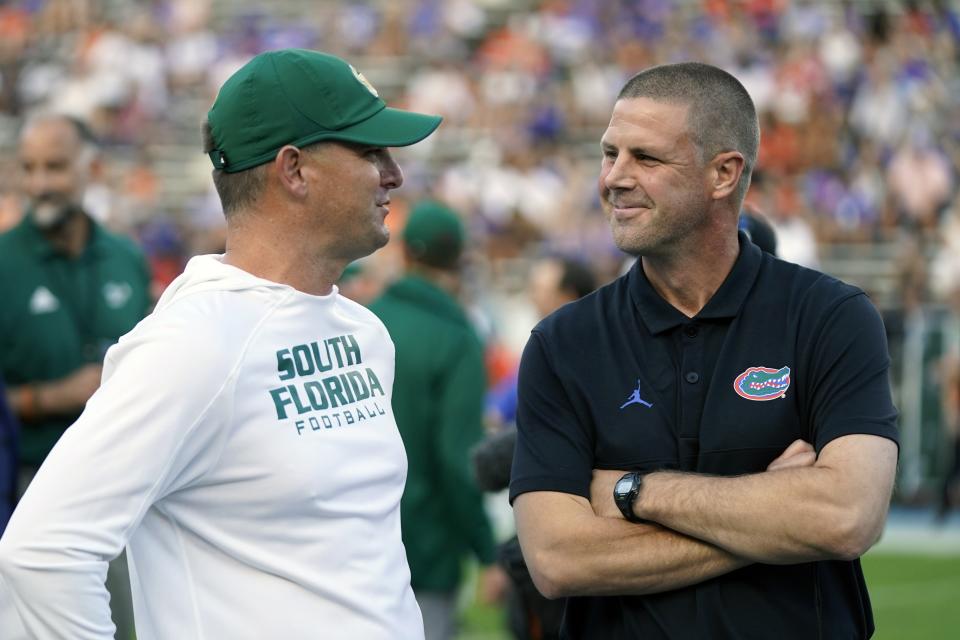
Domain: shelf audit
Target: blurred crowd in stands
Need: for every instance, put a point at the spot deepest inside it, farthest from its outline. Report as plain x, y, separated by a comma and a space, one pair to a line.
859, 103
860, 117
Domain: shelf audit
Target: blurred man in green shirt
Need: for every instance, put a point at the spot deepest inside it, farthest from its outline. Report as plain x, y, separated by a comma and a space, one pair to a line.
438, 403
70, 289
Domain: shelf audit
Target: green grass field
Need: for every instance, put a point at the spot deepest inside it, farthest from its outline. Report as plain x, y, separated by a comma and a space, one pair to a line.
915, 597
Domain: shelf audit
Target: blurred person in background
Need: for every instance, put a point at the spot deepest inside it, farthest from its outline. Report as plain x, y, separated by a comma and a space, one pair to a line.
438, 402
950, 394
9, 619
758, 229
9, 432
362, 281
796, 240
556, 280
553, 282
242, 446
920, 178
70, 289
710, 439
951, 423
944, 282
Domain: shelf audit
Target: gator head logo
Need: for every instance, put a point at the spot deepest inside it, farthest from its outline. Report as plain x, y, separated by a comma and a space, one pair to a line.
762, 383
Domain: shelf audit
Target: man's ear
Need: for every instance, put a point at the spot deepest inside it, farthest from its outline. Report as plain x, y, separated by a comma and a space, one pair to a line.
289, 165
727, 167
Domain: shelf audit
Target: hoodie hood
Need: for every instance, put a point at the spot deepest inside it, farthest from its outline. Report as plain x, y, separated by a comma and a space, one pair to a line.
209, 273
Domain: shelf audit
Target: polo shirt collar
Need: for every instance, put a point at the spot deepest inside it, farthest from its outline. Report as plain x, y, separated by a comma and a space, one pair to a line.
659, 315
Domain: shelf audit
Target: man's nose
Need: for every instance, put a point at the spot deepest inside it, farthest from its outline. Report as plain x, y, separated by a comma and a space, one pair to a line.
36, 183
619, 177
391, 176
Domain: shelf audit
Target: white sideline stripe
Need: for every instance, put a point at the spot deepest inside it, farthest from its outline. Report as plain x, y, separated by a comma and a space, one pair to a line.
919, 540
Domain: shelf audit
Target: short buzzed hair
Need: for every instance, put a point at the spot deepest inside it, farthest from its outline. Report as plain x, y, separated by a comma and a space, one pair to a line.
236, 190
722, 116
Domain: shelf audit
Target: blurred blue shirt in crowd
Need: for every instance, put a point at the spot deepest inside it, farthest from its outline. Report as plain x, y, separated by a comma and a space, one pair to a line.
8, 459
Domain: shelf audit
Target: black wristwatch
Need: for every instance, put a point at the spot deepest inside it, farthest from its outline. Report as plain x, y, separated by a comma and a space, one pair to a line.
625, 493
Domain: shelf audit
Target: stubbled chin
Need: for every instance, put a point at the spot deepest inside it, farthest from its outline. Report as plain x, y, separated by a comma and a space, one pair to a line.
382, 238
627, 241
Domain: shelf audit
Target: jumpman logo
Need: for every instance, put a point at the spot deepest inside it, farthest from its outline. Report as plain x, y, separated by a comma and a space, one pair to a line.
636, 399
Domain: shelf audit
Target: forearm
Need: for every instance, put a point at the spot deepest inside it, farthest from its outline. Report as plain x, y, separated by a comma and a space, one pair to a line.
580, 553
38, 400
52, 398
24, 403
652, 560
780, 517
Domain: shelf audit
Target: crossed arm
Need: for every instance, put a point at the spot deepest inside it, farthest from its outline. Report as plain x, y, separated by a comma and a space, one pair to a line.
802, 508
570, 550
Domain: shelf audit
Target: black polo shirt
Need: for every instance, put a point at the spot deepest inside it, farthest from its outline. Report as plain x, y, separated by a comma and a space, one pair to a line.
622, 380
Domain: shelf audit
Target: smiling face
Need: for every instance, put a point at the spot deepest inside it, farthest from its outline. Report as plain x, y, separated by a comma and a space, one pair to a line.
653, 184
353, 195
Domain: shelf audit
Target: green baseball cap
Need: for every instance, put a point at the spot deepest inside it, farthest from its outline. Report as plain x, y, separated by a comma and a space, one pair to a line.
434, 234
299, 97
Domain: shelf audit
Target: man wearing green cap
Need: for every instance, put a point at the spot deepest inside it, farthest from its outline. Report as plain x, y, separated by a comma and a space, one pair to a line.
242, 445
438, 402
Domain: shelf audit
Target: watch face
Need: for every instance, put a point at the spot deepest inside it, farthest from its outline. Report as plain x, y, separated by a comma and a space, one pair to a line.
623, 485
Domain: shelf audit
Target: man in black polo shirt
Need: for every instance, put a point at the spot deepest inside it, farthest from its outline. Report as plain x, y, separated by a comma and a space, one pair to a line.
747, 397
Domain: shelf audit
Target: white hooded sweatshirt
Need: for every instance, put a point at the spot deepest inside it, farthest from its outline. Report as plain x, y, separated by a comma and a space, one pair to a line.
243, 447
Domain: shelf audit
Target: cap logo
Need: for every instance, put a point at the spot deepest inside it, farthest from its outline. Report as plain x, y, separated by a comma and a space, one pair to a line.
762, 383
364, 82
